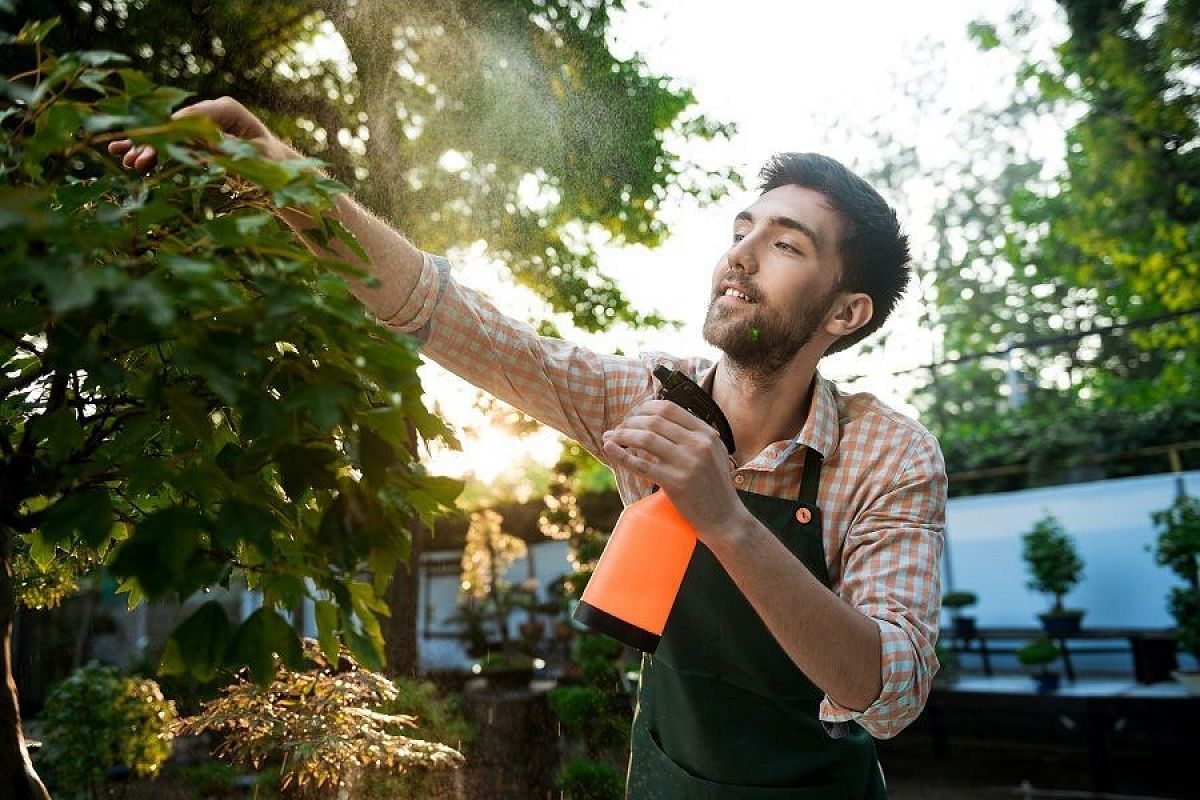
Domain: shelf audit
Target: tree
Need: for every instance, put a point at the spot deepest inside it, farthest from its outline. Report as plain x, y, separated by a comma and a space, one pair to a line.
1060, 295
507, 125
1123, 219
187, 394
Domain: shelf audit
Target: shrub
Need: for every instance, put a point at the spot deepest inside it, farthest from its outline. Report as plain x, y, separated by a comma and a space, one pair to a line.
1054, 564
96, 718
440, 721
329, 723
956, 601
591, 780
1039, 652
1178, 548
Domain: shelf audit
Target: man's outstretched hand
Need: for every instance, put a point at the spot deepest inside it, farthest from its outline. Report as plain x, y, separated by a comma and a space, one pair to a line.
233, 118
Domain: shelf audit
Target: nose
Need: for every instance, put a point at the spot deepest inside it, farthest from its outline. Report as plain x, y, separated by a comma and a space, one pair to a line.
741, 256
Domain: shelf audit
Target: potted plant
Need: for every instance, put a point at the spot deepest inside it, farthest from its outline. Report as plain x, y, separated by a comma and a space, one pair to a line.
507, 670
1054, 568
1041, 653
964, 626
472, 622
1178, 548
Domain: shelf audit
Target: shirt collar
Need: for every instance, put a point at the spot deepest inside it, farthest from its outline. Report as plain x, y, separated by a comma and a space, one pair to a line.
820, 430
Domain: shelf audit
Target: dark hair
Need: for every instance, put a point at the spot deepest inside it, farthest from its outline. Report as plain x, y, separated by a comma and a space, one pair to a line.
873, 250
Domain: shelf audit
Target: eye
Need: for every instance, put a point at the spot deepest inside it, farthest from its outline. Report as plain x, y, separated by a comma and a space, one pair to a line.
737, 237
788, 247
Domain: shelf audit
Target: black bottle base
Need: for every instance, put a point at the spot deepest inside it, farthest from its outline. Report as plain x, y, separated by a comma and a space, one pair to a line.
619, 629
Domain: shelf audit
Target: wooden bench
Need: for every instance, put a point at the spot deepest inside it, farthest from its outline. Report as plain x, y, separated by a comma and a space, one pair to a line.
1152, 649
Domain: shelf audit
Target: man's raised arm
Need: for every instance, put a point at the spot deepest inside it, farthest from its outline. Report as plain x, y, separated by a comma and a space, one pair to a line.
394, 261
569, 387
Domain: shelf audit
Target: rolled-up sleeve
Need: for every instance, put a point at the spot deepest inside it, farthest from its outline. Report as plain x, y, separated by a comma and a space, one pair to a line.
414, 314
891, 572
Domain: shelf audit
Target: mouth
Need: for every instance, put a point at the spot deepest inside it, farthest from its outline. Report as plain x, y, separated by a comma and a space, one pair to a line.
734, 295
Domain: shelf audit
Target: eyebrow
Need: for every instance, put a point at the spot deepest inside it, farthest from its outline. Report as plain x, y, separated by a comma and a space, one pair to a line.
785, 222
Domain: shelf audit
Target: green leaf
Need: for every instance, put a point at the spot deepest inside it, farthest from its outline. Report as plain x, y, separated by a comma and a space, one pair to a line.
188, 412
259, 639
86, 513
375, 455
324, 402
187, 267
239, 521
98, 58
41, 550
302, 468
257, 170
201, 642
326, 614
35, 31
59, 432
160, 549
347, 238
365, 650
159, 102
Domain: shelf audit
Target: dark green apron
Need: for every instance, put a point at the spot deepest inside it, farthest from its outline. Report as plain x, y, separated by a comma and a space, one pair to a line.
723, 713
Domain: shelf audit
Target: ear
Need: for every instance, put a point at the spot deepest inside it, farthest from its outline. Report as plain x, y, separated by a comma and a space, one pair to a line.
849, 313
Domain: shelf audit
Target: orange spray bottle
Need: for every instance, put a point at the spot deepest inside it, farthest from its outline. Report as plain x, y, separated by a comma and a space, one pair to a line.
630, 593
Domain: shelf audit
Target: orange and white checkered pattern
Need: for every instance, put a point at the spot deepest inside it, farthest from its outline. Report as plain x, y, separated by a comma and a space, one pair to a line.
883, 484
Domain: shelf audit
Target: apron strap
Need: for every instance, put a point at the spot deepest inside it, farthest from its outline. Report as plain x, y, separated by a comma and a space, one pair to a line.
811, 479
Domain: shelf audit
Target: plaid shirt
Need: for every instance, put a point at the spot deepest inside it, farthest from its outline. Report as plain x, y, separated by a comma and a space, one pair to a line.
883, 484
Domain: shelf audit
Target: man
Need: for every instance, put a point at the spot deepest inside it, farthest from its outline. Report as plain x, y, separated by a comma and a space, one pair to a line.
807, 619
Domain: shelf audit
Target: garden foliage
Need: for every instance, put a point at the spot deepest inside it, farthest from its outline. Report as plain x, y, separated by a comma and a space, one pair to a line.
1054, 563
332, 725
96, 719
1178, 549
188, 395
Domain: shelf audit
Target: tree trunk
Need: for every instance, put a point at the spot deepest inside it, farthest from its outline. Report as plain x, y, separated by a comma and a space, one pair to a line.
17, 777
400, 629
91, 598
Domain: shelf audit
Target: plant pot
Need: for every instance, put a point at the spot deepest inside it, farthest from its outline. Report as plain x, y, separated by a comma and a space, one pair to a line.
1190, 680
1154, 658
1045, 682
1060, 624
964, 628
508, 678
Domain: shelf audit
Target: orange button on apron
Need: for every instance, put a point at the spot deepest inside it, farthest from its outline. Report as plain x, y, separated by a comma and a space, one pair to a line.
803, 515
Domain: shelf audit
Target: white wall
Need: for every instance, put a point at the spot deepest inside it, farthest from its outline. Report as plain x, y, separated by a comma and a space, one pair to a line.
1110, 522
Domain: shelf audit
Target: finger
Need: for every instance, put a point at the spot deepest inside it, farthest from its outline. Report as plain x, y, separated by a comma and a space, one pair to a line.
120, 146
131, 156
630, 460
656, 425
145, 159
675, 413
653, 447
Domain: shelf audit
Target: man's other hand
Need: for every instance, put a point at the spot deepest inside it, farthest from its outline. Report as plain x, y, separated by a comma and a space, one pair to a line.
233, 118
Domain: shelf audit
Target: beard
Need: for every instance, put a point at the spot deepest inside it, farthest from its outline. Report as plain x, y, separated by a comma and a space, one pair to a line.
759, 341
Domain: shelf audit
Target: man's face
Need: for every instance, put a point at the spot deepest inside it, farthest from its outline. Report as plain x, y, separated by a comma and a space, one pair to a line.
784, 259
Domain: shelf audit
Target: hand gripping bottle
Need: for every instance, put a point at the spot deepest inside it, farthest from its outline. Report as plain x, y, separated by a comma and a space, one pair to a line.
633, 587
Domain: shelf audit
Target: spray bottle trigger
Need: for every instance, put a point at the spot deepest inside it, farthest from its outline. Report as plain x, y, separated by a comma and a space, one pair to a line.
682, 390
